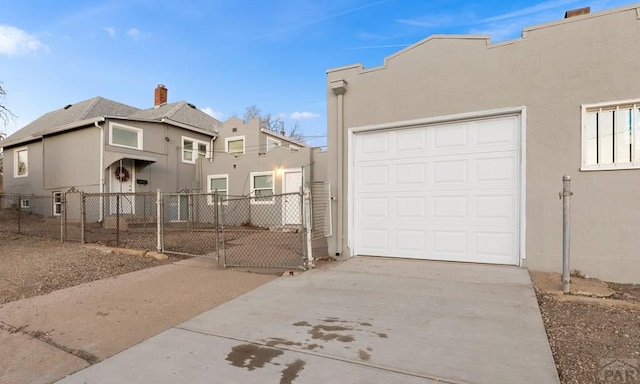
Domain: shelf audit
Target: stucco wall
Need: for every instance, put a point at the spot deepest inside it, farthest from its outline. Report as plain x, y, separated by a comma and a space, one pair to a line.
551, 71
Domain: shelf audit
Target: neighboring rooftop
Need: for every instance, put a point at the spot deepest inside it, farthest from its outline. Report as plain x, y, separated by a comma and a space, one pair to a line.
98, 108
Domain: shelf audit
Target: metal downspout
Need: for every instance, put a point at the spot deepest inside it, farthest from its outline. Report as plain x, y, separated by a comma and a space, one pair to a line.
339, 87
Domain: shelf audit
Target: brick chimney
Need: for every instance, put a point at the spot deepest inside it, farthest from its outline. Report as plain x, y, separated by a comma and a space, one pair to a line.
577, 12
160, 95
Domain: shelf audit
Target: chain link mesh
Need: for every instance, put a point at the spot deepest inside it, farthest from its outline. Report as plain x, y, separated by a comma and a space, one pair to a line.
189, 223
33, 215
127, 220
264, 232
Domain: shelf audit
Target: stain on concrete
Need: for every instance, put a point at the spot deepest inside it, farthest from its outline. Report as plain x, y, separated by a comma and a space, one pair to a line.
252, 356
302, 324
311, 347
102, 313
328, 332
290, 373
382, 335
365, 324
364, 355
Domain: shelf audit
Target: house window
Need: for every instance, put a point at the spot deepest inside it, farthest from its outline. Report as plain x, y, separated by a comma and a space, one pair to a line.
122, 136
262, 187
192, 149
217, 184
294, 148
611, 136
21, 162
57, 203
272, 143
25, 203
234, 145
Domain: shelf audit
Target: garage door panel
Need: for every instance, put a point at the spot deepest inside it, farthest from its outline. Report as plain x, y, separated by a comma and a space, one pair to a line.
500, 132
450, 137
496, 169
409, 207
446, 192
410, 242
450, 207
450, 242
409, 141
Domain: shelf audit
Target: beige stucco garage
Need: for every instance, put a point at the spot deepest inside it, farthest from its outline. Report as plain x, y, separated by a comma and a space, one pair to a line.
455, 148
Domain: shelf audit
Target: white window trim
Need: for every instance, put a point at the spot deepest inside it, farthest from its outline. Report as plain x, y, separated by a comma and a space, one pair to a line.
273, 141
57, 202
196, 142
15, 162
209, 190
138, 131
252, 175
235, 138
635, 135
25, 203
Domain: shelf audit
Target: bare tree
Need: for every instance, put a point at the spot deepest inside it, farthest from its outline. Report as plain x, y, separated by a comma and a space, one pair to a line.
5, 113
273, 123
251, 112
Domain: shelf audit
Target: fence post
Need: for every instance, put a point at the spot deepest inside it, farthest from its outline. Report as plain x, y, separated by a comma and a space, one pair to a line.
19, 212
83, 216
160, 242
306, 214
566, 231
216, 212
117, 220
222, 254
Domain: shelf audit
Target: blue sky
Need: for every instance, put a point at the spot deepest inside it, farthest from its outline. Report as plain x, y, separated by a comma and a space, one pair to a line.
225, 55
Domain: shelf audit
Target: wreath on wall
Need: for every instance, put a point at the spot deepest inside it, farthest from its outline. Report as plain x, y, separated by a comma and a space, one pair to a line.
122, 174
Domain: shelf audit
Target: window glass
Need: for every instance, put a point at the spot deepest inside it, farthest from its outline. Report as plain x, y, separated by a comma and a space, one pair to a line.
124, 137
22, 161
188, 150
236, 146
219, 185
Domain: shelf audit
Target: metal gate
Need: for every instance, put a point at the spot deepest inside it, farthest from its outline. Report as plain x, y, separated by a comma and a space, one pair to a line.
263, 232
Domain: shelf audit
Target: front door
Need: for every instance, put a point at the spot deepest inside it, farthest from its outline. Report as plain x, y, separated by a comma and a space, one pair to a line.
122, 174
291, 209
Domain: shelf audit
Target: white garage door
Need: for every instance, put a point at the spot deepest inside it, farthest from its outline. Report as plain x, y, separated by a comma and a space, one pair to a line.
441, 192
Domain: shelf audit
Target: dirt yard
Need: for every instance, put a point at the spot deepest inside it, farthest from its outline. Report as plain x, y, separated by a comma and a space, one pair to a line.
588, 333
585, 333
32, 266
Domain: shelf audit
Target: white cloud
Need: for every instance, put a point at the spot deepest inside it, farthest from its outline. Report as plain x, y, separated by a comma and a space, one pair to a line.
14, 41
214, 114
304, 115
133, 33
111, 31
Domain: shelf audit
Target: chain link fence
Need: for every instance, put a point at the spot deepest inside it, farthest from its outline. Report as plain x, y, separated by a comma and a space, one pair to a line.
33, 215
264, 231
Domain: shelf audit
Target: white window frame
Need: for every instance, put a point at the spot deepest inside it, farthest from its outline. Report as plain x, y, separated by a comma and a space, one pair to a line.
274, 144
25, 203
252, 176
209, 190
137, 131
16, 168
196, 144
294, 148
235, 138
57, 203
634, 138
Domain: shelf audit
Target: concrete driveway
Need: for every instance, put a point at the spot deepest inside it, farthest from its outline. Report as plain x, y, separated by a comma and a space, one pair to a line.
368, 320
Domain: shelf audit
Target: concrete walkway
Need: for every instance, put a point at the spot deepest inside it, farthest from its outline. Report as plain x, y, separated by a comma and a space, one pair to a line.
368, 320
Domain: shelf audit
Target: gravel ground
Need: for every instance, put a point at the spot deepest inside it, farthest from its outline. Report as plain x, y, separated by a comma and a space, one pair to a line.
31, 266
594, 340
